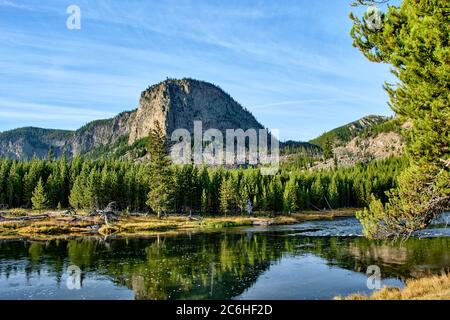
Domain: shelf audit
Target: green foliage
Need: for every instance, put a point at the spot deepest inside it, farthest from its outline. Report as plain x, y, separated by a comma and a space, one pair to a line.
226, 196
290, 195
160, 194
39, 197
87, 184
120, 149
304, 148
347, 132
328, 149
414, 40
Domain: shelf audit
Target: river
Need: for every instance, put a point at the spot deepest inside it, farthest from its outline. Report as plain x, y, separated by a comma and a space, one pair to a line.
311, 260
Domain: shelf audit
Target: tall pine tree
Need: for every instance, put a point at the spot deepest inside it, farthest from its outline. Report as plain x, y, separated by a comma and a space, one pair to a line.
160, 196
414, 40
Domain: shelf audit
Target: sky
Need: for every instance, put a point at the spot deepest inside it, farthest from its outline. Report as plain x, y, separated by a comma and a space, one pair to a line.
291, 62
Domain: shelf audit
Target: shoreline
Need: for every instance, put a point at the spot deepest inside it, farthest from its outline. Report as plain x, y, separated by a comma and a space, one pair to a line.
55, 225
436, 287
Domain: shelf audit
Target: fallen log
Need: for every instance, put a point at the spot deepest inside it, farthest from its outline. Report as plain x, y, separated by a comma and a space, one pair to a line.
26, 218
195, 218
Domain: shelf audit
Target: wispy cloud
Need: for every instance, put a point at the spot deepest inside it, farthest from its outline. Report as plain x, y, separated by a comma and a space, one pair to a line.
29, 110
13, 4
286, 62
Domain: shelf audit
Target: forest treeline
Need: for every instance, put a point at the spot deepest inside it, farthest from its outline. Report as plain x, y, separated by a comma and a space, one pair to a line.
88, 184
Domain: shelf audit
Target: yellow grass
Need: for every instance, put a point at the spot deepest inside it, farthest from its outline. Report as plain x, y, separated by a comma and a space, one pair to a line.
58, 225
429, 288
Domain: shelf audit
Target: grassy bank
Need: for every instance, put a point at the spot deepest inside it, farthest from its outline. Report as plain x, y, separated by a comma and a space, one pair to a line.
429, 288
56, 224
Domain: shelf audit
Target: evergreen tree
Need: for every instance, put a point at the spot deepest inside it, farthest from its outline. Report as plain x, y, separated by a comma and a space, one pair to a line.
160, 195
39, 197
328, 149
333, 193
414, 40
226, 196
204, 207
290, 196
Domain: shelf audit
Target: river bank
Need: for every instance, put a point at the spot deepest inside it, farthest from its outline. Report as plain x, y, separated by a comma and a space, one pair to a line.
428, 288
18, 223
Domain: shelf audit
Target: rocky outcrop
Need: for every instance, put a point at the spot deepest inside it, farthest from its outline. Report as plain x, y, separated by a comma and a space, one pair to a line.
176, 104
101, 133
364, 150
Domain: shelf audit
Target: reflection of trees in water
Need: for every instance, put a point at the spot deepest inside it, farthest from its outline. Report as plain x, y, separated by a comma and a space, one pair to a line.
204, 267
412, 258
216, 265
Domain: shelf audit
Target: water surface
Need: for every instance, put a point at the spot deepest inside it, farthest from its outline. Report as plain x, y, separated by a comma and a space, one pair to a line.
311, 260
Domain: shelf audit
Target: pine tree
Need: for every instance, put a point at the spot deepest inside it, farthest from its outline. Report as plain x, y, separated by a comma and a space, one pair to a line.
333, 193
328, 149
160, 195
39, 197
14, 187
204, 208
226, 196
290, 196
276, 194
414, 41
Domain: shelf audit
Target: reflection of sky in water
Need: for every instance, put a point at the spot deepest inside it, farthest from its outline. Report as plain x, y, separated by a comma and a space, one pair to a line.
308, 278
43, 285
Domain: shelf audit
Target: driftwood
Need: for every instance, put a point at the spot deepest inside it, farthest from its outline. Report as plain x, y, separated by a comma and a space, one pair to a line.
195, 218
26, 218
70, 212
189, 217
108, 213
318, 209
77, 218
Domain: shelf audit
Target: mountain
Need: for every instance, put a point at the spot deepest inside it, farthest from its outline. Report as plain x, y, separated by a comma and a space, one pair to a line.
344, 134
364, 141
361, 141
173, 103
29, 141
177, 104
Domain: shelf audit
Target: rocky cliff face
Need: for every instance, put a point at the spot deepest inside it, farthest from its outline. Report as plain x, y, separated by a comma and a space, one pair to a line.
100, 133
173, 103
176, 104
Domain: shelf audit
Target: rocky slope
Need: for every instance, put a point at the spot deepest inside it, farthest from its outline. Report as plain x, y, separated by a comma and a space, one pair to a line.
365, 149
375, 142
345, 133
172, 103
26, 142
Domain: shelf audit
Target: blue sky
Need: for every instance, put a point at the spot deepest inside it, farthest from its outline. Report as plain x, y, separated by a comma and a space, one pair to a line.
291, 62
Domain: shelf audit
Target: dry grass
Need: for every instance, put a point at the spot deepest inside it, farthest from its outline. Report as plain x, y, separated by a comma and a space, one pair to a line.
58, 225
430, 288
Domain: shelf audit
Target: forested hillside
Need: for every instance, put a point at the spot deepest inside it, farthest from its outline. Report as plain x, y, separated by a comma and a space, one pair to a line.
345, 133
88, 184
